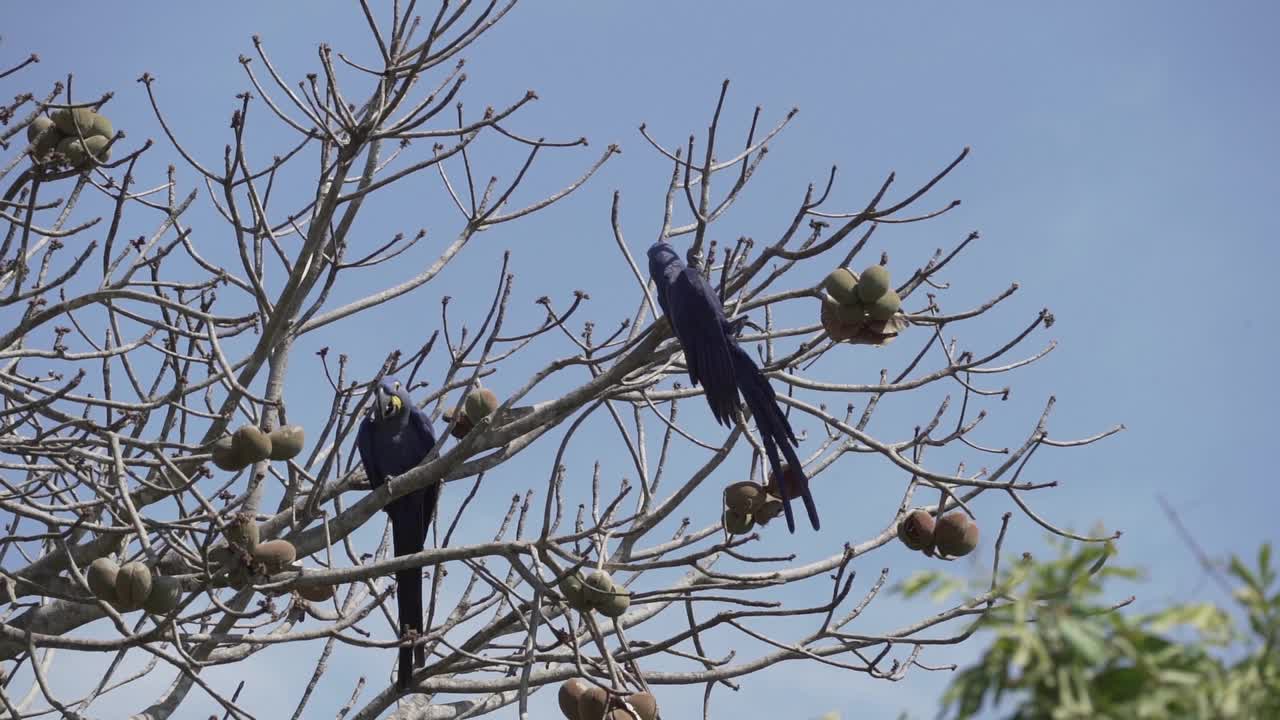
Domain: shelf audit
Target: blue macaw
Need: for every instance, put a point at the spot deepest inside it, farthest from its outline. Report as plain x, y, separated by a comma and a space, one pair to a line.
393, 438
717, 362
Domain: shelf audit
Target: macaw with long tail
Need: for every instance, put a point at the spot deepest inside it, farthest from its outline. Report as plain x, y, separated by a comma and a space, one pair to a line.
393, 438
717, 362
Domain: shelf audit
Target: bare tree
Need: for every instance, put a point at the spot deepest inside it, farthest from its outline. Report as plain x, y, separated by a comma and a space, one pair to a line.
125, 360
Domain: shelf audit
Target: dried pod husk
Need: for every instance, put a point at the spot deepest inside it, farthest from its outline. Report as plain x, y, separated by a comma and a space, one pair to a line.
251, 444
101, 576
225, 455
644, 704
955, 534
744, 496
133, 585
838, 329
840, 284
873, 283
316, 593
101, 127
593, 703
275, 554
916, 530
166, 593
616, 604
481, 402
885, 306
96, 148
737, 523
597, 588
770, 509
238, 576
572, 589
242, 530
286, 442
462, 427
570, 692
67, 120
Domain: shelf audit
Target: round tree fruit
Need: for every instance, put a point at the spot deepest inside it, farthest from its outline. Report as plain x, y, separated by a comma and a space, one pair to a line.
840, 284
597, 588
133, 585
242, 530
225, 455
616, 604
571, 588
743, 497
275, 554
101, 576
286, 442
251, 444
955, 535
37, 127
644, 704
316, 593
916, 530
165, 594
462, 427
593, 703
570, 692
885, 306
737, 523
480, 403
873, 283
96, 147
73, 151
101, 127
67, 120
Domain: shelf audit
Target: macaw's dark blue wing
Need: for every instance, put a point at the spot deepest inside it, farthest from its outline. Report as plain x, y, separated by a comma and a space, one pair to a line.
368, 458
775, 432
698, 321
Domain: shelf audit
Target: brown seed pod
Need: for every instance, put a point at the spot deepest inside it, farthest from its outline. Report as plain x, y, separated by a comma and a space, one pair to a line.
275, 554
916, 530
67, 120
242, 531
873, 283
644, 704
955, 535
597, 588
840, 284
593, 703
770, 509
133, 584
101, 575
831, 322
463, 426
480, 403
616, 604
286, 442
166, 593
225, 455
744, 497
251, 444
316, 593
737, 523
569, 694
238, 576
885, 306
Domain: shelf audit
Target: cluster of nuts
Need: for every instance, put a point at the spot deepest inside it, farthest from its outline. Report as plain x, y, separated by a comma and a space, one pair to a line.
749, 503
952, 535
480, 404
596, 592
580, 700
61, 133
249, 445
861, 309
132, 587
245, 556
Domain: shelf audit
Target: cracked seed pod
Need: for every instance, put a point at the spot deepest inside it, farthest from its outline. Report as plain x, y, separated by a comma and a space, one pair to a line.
743, 497
597, 588
225, 455
840, 284
101, 127
480, 403
67, 120
771, 509
644, 704
286, 442
275, 554
737, 523
242, 530
593, 703
615, 604
916, 530
955, 534
873, 283
133, 585
463, 426
166, 593
571, 588
251, 444
101, 576
885, 306
570, 692
838, 329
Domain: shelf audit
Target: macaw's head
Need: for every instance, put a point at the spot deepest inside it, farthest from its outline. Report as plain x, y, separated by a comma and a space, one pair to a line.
661, 254
390, 399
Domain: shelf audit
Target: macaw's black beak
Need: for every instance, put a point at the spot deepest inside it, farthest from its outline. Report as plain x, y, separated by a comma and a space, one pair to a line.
385, 404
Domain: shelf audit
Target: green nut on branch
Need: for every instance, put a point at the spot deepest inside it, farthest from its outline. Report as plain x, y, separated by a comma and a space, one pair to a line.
101, 576
250, 444
276, 555
737, 523
286, 442
242, 531
841, 284
133, 585
166, 593
744, 496
873, 283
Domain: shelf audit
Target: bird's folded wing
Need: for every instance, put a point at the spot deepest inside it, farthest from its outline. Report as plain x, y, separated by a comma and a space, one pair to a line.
698, 321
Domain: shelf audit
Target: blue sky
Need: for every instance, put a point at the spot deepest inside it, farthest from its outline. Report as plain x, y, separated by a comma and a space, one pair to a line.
1122, 172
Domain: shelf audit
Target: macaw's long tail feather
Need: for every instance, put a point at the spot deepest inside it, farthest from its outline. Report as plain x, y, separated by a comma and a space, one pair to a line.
775, 433
409, 607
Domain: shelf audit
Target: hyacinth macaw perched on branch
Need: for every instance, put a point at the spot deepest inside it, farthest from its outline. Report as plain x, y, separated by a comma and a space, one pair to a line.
393, 438
717, 362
